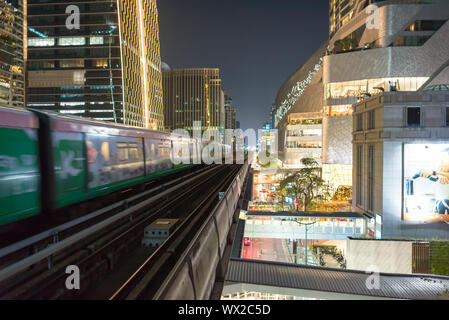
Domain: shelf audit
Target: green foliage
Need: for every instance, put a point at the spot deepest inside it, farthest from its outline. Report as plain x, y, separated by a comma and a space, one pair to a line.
343, 193
439, 257
305, 184
345, 44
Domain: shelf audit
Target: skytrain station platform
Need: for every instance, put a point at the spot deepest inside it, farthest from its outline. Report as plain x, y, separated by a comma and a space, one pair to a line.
249, 279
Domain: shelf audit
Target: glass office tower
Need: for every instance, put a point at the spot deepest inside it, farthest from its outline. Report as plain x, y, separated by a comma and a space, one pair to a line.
193, 94
107, 68
12, 71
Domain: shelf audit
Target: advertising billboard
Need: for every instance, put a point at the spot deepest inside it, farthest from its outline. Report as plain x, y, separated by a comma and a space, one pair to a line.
426, 182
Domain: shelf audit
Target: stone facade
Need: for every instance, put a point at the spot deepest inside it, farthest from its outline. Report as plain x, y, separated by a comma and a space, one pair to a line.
388, 133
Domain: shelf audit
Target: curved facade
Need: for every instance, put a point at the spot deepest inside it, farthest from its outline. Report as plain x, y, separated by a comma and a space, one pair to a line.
406, 47
300, 99
376, 46
302, 92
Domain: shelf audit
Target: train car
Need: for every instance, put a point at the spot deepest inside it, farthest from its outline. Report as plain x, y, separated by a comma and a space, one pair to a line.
49, 161
19, 165
85, 159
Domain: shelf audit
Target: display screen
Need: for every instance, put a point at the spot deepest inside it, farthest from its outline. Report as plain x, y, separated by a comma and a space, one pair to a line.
426, 182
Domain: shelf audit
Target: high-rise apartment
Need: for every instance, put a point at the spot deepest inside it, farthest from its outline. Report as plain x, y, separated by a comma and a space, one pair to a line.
193, 95
12, 65
96, 59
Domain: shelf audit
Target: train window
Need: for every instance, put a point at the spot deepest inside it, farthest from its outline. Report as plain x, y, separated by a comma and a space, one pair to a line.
105, 151
163, 150
122, 151
153, 149
91, 152
133, 151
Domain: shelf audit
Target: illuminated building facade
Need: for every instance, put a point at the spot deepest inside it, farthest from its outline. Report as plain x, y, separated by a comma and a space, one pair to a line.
193, 95
297, 112
400, 158
230, 114
342, 11
12, 65
106, 68
303, 138
374, 47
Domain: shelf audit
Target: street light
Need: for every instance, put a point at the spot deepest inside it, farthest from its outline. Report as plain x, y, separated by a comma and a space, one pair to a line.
307, 229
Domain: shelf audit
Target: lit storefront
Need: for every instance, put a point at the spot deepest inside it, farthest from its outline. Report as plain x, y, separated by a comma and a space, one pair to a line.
303, 138
358, 88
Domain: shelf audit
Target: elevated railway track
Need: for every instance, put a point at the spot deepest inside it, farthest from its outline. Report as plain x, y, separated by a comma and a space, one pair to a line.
96, 243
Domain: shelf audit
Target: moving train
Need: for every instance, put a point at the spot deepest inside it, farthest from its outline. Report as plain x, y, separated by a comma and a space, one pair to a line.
50, 161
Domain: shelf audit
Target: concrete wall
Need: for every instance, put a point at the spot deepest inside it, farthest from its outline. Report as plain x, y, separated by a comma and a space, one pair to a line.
385, 61
386, 256
337, 140
389, 136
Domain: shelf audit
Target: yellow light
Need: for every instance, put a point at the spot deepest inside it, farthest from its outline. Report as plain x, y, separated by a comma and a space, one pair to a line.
142, 58
121, 60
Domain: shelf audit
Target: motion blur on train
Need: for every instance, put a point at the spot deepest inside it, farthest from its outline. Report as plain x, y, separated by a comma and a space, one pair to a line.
50, 161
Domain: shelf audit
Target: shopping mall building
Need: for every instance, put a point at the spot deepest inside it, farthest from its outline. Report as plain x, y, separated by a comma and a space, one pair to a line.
373, 47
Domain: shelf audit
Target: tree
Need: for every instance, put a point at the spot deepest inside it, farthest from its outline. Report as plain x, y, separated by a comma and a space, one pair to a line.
305, 184
281, 194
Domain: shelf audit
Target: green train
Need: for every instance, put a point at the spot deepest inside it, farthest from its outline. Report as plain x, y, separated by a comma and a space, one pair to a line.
50, 161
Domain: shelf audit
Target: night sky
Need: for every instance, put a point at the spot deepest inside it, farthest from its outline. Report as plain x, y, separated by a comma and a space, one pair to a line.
257, 44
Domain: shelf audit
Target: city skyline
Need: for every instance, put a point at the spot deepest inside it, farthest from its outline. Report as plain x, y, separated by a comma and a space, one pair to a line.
242, 50
125, 175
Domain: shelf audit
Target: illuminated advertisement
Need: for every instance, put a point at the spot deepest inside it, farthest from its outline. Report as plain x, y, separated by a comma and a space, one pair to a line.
426, 182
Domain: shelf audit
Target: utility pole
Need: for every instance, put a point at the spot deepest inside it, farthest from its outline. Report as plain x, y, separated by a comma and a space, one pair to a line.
306, 225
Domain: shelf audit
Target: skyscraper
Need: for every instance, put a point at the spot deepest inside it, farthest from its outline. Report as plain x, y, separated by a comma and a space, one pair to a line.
12, 65
193, 95
230, 113
97, 59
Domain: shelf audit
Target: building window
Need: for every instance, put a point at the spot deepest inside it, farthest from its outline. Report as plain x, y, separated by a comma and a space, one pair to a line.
100, 63
413, 117
359, 168
371, 119
359, 122
94, 40
41, 42
447, 117
78, 63
426, 25
371, 173
410, 41
36, 65
78, 77
72, 41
